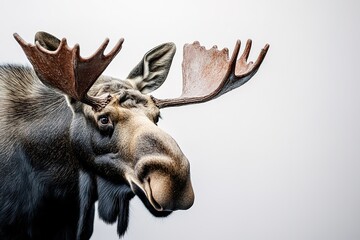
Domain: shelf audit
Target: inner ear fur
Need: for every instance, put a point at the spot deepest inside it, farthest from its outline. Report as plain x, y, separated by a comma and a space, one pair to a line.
153, 69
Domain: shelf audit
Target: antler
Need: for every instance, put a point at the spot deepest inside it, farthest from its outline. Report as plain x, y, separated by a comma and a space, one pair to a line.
67, 71
208, 74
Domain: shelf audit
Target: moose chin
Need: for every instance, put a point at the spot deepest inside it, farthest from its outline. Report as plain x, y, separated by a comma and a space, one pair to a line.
70, 136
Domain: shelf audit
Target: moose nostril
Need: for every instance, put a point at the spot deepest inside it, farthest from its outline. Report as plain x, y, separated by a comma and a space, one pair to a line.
159, 192
166, 194
156, 205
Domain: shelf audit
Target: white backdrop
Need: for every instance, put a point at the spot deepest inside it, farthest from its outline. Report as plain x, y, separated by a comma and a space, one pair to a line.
278, 158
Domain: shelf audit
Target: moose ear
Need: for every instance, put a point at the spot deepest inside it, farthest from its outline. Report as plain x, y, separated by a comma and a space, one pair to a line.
47, 41
153, 69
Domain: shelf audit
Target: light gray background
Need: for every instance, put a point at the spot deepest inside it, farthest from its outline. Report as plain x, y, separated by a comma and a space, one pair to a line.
276, 159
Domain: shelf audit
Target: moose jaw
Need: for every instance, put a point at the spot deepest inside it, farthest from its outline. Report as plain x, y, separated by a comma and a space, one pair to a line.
77, 137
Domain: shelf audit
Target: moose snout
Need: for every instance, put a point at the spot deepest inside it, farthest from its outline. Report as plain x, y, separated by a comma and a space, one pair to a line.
167, 194
163, 172
166, 186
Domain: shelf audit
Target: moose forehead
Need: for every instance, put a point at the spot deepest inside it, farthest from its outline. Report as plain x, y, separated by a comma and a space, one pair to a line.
125, 96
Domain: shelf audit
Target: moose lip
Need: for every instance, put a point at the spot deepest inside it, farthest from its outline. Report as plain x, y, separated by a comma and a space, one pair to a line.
149, 202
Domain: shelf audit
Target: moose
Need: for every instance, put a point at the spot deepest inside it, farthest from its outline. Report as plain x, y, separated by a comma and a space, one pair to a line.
71, 136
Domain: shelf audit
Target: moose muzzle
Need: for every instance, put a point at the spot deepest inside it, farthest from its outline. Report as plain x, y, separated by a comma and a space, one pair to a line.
162, 171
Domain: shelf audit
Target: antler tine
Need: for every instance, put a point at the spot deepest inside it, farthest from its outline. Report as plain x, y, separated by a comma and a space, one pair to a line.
67, 71
246, 52
262, 55
115, 49
241, 71
208, 74
100, 51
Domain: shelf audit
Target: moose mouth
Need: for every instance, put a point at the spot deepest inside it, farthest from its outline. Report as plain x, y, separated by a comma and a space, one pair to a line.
149, 202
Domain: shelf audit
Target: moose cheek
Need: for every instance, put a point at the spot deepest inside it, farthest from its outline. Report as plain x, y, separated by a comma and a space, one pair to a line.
110, 166
102, 141
106, 130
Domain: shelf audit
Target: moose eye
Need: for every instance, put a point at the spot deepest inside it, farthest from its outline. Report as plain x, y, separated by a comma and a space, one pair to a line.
105, 124
104, 119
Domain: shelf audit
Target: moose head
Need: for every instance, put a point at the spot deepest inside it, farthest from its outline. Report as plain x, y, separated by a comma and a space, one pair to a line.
114, 131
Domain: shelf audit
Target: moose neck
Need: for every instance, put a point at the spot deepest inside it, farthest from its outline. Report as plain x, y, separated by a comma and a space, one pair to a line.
35, 124
33, 115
